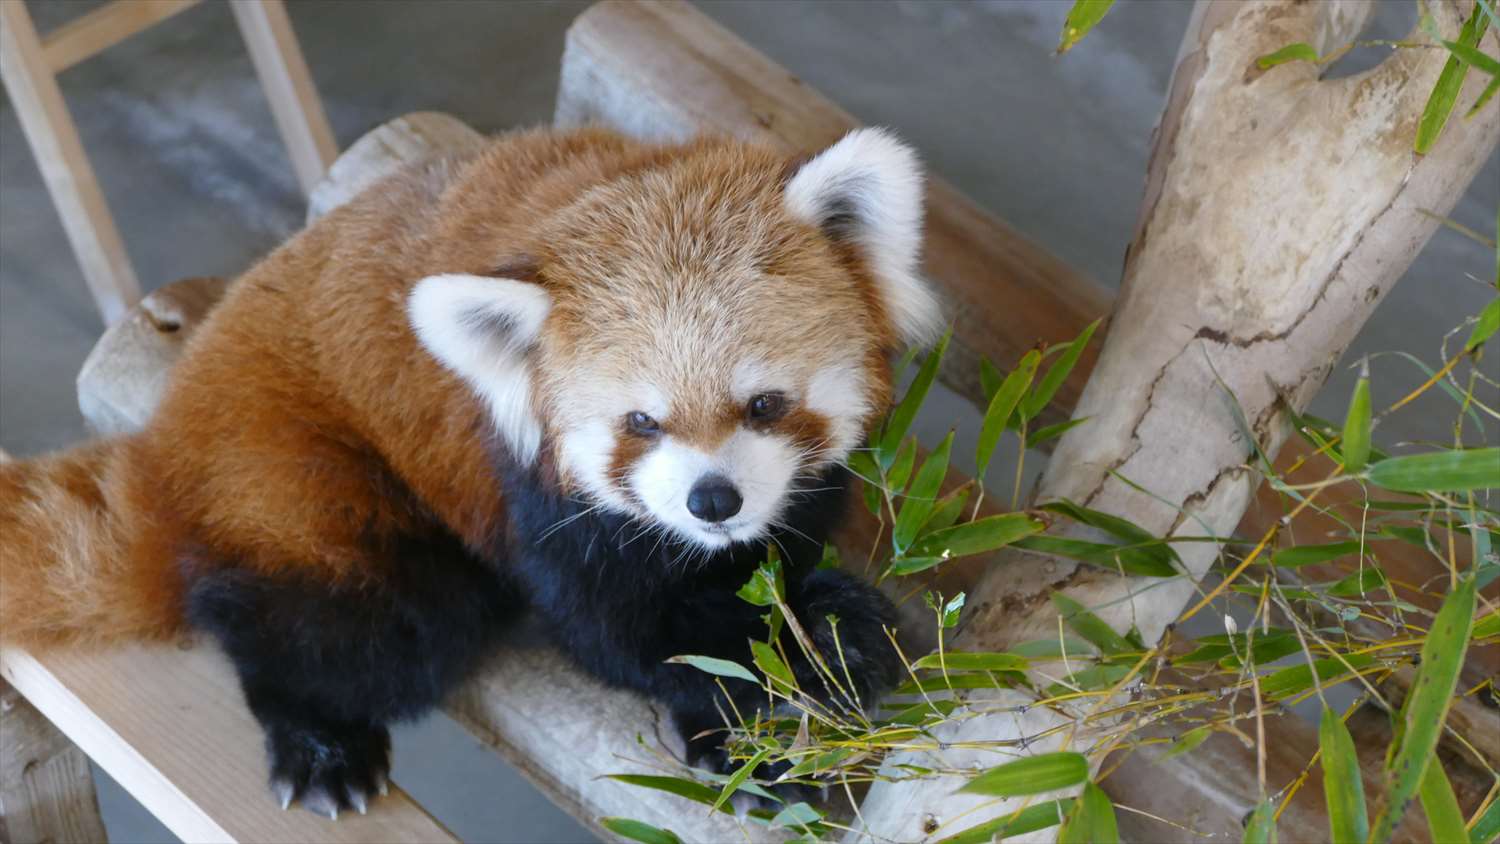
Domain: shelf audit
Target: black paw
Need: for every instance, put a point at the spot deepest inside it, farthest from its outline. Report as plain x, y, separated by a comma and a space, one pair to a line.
857, 646
329, 769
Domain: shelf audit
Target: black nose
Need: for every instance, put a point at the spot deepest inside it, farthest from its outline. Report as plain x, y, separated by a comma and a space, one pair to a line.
713, 499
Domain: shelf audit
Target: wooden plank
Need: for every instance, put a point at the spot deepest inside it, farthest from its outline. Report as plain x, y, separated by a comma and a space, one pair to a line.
289, 87
170, 725
46, 787
92, 33
59, 154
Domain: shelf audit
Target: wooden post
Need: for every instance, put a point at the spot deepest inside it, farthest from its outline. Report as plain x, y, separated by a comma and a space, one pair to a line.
289, 87
46, 787
65, 168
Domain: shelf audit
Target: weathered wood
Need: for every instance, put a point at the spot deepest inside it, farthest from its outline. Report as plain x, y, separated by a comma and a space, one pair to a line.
1252, 270
65, 168
46, 787
385, 148
92, 33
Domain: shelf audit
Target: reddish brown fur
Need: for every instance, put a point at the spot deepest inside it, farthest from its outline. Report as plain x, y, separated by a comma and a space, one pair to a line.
305, 429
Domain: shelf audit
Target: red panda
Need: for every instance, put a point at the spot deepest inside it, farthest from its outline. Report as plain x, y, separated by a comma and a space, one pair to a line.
572, 373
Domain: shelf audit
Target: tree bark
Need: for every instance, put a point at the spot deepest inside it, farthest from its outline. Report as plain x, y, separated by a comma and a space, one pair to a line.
1279, 210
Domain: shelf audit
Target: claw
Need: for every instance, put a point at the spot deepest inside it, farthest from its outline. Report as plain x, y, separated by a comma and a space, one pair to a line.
319, 801
283, 791
357, 800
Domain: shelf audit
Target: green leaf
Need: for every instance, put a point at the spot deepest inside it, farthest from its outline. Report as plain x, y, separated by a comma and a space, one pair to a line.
964, 661
1131, 560
1084, 16
1343, 788
952, 610
1299, 678
862, 464
797, 814
1053, 380
1040, 649
638, 831
911, 565
1265, 649
1444, 819
1001, 407
1042, 435
738, 778
1090, 679
1261, 827
989, 378
1356, 585
1472, 57
976, 537
922, 496
818, 762
1147, 546
901, 417
1484, 97
1486, 326
1090, 626
1306, 555
1186, 742
1488, 625
1487, 826
1030, 819
1439, 471
714, 665
765, 585
1092, 820
1450, 82
767, 660
948, 509
1426, 707
1356, 446
918, 713
899, 471
1296, 52
939, 682
695, 791
1031, 775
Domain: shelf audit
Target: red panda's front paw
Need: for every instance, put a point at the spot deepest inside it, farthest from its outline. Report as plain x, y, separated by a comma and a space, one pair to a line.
329, 769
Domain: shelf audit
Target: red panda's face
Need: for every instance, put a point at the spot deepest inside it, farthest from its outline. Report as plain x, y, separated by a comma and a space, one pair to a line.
704, 338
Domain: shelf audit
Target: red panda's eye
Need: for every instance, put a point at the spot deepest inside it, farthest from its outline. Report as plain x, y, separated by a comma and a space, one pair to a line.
640, 423
767, 406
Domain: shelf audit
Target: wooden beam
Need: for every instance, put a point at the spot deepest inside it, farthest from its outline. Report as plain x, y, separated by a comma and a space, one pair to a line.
170, 725
65, 168
289, 87
93, 33
46, 787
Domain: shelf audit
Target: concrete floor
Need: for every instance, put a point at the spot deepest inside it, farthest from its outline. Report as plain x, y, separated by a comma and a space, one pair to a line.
192, 166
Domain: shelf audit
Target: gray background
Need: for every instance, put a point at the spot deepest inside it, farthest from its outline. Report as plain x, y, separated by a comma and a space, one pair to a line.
194, 171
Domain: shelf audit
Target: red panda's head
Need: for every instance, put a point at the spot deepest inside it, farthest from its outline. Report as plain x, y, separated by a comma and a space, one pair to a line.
701, 336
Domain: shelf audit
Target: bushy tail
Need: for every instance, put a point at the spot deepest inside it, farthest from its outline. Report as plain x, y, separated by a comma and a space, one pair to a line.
77, 562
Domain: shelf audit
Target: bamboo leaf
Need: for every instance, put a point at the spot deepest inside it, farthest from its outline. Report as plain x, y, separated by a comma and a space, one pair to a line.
902, 416
1444, 819
899, 472
1031, 775
976, 537
1131, 560
714, 665
964, 661
989, 378
695, 791
948, 509
1090, 626
1001, 407
1299, 678
738, 778
1484, 97
1092, 820
1296, 52
1488, 324
1261, 827
1486, 827
767, 660
638, 831
1343, 788
1053, 380
818, 762
1356, 447
922, 496
1473, 57
1426, 707
1186, 742
1030, 819
1450, 82
1305, 555
1090, 679
1049, 432
1439, 471
1084, 16
797, 814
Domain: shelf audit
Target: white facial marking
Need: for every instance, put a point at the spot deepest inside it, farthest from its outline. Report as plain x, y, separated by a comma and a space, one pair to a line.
838, 393
480, 328
760, 466
585, 451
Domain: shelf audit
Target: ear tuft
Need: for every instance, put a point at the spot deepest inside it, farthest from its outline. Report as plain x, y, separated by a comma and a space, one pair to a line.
867, 190
481, 328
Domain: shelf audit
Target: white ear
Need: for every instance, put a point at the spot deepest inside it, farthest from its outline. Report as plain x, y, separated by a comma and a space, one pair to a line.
867, 189
481, 328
